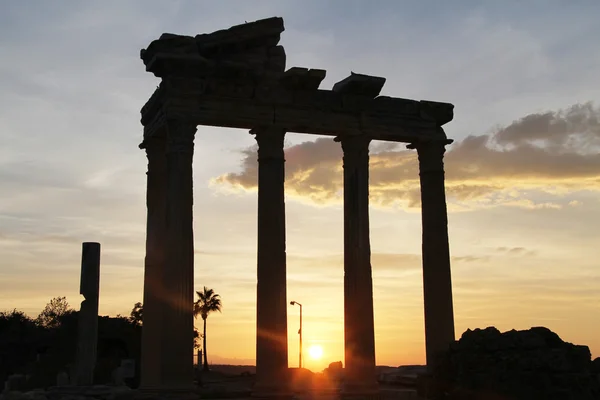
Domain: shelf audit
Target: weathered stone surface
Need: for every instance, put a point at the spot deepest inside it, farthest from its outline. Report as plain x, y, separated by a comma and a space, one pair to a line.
319, 112
87, 334
359, 332
15, 382
264, 32
335, 371
364, 85
32, 395
96, 392
437, 274
531, 364
297, 78
251, 46
62, 379
405, 375
441, 113
596, 365
272, 374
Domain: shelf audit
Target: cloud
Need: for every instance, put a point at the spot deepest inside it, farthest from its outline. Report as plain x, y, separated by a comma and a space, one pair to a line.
554, 152
516, 251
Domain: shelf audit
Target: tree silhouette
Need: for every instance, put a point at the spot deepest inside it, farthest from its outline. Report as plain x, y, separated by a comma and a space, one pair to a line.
51, 315
197, 337
135, 317
208, 301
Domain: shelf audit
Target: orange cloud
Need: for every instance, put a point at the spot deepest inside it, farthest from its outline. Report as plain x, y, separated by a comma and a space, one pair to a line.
550, 153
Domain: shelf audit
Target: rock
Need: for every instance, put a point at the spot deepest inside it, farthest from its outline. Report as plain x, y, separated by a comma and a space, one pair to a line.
334, 366
121, 393
98, 391
37, 394
596, 365
62, 379
117, 377
12, 395
528, 364
335, 370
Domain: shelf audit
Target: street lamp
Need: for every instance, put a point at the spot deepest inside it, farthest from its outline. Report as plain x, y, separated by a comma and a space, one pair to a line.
299, 332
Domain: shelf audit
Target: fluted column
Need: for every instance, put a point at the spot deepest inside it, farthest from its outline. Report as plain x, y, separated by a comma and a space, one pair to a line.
272, 378
437, 282
154, 266
178, 278
359, 331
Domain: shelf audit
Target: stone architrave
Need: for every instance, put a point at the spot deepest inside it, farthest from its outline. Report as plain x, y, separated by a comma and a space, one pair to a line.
359, 334
437, 281
272, 377
87, 340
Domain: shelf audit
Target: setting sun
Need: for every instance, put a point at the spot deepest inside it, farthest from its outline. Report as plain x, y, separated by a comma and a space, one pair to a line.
315, 352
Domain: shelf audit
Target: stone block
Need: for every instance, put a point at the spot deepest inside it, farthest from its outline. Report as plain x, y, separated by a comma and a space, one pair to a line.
518, 364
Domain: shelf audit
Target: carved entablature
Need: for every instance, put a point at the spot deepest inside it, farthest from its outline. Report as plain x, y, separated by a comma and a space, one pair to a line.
235, 78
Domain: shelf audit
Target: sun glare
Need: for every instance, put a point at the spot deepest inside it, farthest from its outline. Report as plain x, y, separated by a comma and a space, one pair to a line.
315, 352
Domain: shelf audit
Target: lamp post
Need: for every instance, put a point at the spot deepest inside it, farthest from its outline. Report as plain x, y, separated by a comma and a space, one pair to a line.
299, 333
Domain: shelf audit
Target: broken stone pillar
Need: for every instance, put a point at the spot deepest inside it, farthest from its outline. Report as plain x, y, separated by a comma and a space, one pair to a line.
272, 377
153, 350
437, 282
359, 330
87, 340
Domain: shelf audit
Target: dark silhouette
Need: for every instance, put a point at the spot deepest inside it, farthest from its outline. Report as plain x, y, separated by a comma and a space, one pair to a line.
87, 334
208, 301
270, 101
41, 348
52, 313
135, 317
521, 365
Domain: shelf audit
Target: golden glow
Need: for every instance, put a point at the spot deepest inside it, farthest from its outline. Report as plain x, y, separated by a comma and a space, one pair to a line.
315, 352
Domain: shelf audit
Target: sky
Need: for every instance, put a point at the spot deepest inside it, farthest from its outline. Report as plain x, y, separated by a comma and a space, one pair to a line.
522, 177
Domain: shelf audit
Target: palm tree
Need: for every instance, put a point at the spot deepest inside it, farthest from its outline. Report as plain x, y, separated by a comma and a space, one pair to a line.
208, 301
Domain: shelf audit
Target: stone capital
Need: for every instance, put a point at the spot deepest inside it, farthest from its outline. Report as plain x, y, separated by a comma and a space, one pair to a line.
270, 143
431, 155
355, 148
180, 136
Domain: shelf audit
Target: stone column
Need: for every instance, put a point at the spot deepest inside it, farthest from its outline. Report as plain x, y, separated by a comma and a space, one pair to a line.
272, 378
178, 278
359, 330
153, 352
87, 340
437, 283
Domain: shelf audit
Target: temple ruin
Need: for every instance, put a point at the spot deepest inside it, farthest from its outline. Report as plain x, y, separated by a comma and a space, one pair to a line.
237, 78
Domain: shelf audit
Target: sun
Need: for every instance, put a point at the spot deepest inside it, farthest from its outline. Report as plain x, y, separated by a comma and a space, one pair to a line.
315, 351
